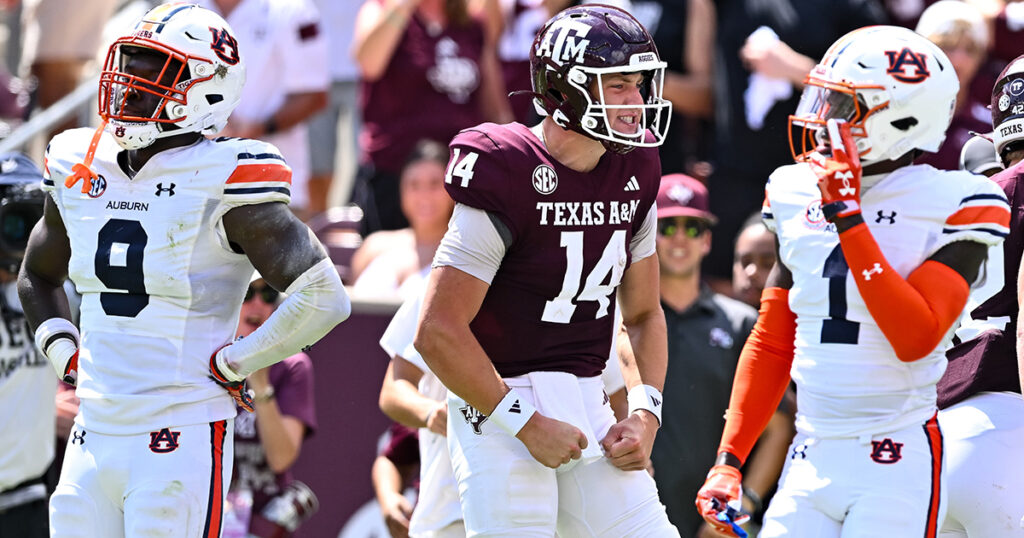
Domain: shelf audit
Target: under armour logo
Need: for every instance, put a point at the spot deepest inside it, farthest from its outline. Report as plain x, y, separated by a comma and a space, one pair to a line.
78, 437
881, 216
799, 450
163, 441
846, 189
169, 190
886, 451
868, 272
474, 418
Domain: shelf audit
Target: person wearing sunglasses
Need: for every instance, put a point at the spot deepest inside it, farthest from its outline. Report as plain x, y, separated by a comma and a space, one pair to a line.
269, 440
706, 331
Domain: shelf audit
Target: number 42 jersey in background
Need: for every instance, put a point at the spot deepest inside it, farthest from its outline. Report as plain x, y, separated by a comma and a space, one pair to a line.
849, 381
161, 286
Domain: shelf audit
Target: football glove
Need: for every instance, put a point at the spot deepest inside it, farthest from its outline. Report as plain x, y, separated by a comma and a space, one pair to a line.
838, 175
720, 496
237, 389
57, 339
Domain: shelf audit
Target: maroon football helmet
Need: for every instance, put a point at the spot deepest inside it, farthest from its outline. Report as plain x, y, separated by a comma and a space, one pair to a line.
1008, 109
576, 48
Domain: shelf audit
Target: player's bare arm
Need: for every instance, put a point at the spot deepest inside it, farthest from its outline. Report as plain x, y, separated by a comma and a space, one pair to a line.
277, 243
628, 443
453, 353
401, 400
40, 282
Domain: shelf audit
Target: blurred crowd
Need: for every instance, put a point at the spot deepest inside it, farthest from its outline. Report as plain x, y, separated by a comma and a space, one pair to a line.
363, 96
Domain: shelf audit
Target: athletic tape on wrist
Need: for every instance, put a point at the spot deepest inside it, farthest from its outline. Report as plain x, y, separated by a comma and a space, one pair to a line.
57, 339
512, 412
645, 397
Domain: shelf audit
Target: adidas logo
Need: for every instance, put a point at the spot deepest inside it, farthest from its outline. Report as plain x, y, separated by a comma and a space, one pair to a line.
632, 185
656, 401
515, 408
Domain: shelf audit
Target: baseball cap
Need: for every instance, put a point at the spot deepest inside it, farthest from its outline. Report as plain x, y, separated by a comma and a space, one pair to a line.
683, 196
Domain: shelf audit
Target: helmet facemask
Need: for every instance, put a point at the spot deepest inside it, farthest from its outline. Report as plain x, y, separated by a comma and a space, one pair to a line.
162, 92
823, 100
654, 111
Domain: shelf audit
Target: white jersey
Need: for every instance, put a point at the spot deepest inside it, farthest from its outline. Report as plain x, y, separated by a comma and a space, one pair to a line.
849, 381
161, 287
438, 505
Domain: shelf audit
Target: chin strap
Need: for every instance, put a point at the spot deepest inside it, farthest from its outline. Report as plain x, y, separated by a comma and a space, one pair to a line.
82, 170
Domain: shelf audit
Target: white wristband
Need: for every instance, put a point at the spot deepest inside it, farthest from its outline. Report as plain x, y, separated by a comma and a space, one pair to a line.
647, 398
512, 412
57, 339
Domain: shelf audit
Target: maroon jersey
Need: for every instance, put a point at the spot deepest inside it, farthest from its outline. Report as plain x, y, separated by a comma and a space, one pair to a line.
550, 306
430, 89
989, 362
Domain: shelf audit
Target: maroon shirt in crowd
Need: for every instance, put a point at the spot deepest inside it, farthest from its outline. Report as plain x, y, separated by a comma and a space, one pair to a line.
292, 380
430, 89
569, 235
989, 362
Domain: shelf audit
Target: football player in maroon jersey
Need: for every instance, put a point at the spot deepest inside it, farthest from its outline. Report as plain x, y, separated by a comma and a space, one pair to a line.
552, 225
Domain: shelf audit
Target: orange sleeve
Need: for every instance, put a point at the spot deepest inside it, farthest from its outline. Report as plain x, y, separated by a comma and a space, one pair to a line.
913, 313
762, 374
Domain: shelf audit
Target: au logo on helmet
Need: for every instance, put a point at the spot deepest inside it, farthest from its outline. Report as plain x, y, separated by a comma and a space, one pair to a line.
907, 66
224, 45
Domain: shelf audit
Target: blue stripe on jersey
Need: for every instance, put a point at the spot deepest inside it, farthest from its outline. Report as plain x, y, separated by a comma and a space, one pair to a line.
766, 215
257, 190
260, 156
48, 182
996, 233
973, 197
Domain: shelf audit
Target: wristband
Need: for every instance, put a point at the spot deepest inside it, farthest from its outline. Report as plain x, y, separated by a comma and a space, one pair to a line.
57, 339
512, 412
264, 396
647, 398
220, 368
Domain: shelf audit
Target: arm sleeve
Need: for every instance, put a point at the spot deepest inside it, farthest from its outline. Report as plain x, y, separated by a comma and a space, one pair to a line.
762, 374
643, 245
472, 244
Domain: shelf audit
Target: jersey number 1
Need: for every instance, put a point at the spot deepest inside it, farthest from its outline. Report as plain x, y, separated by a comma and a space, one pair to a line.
837, 329
118, 265
561, 308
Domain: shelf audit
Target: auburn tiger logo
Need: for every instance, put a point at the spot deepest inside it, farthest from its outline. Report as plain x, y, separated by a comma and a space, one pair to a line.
907, 66
886, 451
163, 441
224, 45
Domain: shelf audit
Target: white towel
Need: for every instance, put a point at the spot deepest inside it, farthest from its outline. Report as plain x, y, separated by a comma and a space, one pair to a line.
763, 92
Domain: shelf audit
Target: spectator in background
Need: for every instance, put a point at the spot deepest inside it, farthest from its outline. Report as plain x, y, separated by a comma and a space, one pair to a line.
333, 131
706, 331
517, 22
753, 257
428, 71
395, 262
684, 31
960, 31
59, 38
286, 79
27, 387
394, 472
269, 440
763, 51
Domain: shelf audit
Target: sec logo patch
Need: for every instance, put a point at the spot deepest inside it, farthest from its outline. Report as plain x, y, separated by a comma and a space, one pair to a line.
545, 180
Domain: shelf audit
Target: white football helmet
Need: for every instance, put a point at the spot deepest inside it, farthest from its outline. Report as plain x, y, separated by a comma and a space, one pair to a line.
896, 89
199, 85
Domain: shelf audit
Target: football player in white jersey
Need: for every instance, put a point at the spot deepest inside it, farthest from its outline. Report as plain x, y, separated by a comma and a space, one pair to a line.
876, 257
159, 228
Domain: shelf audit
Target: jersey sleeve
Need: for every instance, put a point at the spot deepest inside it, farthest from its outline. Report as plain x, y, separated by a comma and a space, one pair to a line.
260, 175
62, 153
766, 207
477, 175
983, 215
